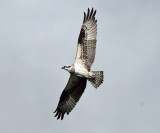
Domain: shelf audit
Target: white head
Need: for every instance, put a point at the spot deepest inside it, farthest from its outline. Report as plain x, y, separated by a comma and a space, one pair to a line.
68, 68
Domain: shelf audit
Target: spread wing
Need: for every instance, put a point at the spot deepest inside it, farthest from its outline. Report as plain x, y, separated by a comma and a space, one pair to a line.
70, 95
87, 40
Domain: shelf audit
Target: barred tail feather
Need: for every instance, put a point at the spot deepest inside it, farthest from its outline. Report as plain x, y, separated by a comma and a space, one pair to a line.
97, 78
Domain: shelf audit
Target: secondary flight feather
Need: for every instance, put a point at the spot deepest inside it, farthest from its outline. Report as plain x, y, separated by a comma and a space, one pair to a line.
80, 71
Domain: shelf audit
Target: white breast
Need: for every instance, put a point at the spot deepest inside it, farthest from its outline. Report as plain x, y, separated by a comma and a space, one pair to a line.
81, 71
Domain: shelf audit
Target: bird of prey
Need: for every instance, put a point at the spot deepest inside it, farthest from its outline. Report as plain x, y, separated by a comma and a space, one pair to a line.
80, 71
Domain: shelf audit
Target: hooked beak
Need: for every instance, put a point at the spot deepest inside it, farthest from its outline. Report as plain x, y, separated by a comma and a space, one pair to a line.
62, 68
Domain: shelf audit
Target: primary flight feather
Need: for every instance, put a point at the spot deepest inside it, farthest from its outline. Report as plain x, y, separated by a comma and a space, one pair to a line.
80, 71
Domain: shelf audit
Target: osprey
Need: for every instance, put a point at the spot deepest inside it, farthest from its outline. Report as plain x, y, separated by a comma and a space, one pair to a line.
80, 71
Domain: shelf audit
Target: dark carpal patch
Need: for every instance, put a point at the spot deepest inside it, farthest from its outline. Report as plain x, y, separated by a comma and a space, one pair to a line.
81, 36
63, 96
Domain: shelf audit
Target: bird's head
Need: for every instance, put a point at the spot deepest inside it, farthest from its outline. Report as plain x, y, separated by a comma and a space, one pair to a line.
68, 68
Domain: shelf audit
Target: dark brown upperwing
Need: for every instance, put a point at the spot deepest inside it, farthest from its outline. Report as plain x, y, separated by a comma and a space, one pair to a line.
70, 95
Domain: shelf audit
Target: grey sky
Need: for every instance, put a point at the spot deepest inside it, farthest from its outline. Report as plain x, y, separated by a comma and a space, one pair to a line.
37, 38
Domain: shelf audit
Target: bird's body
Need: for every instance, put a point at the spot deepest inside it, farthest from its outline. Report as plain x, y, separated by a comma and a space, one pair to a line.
80, 71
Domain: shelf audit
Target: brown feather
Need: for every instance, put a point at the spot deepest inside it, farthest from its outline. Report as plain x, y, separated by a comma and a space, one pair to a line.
87, 40
70, 95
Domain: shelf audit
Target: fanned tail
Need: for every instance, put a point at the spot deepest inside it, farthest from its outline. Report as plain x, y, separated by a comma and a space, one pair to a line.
97, 78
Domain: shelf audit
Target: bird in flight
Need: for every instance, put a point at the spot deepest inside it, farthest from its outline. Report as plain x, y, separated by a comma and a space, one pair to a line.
80, 71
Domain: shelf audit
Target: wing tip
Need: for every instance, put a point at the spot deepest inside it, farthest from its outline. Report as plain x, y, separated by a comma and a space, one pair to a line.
89, 15
59, 114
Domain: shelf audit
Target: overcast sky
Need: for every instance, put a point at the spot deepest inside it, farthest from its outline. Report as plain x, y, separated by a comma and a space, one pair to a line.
38, 37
